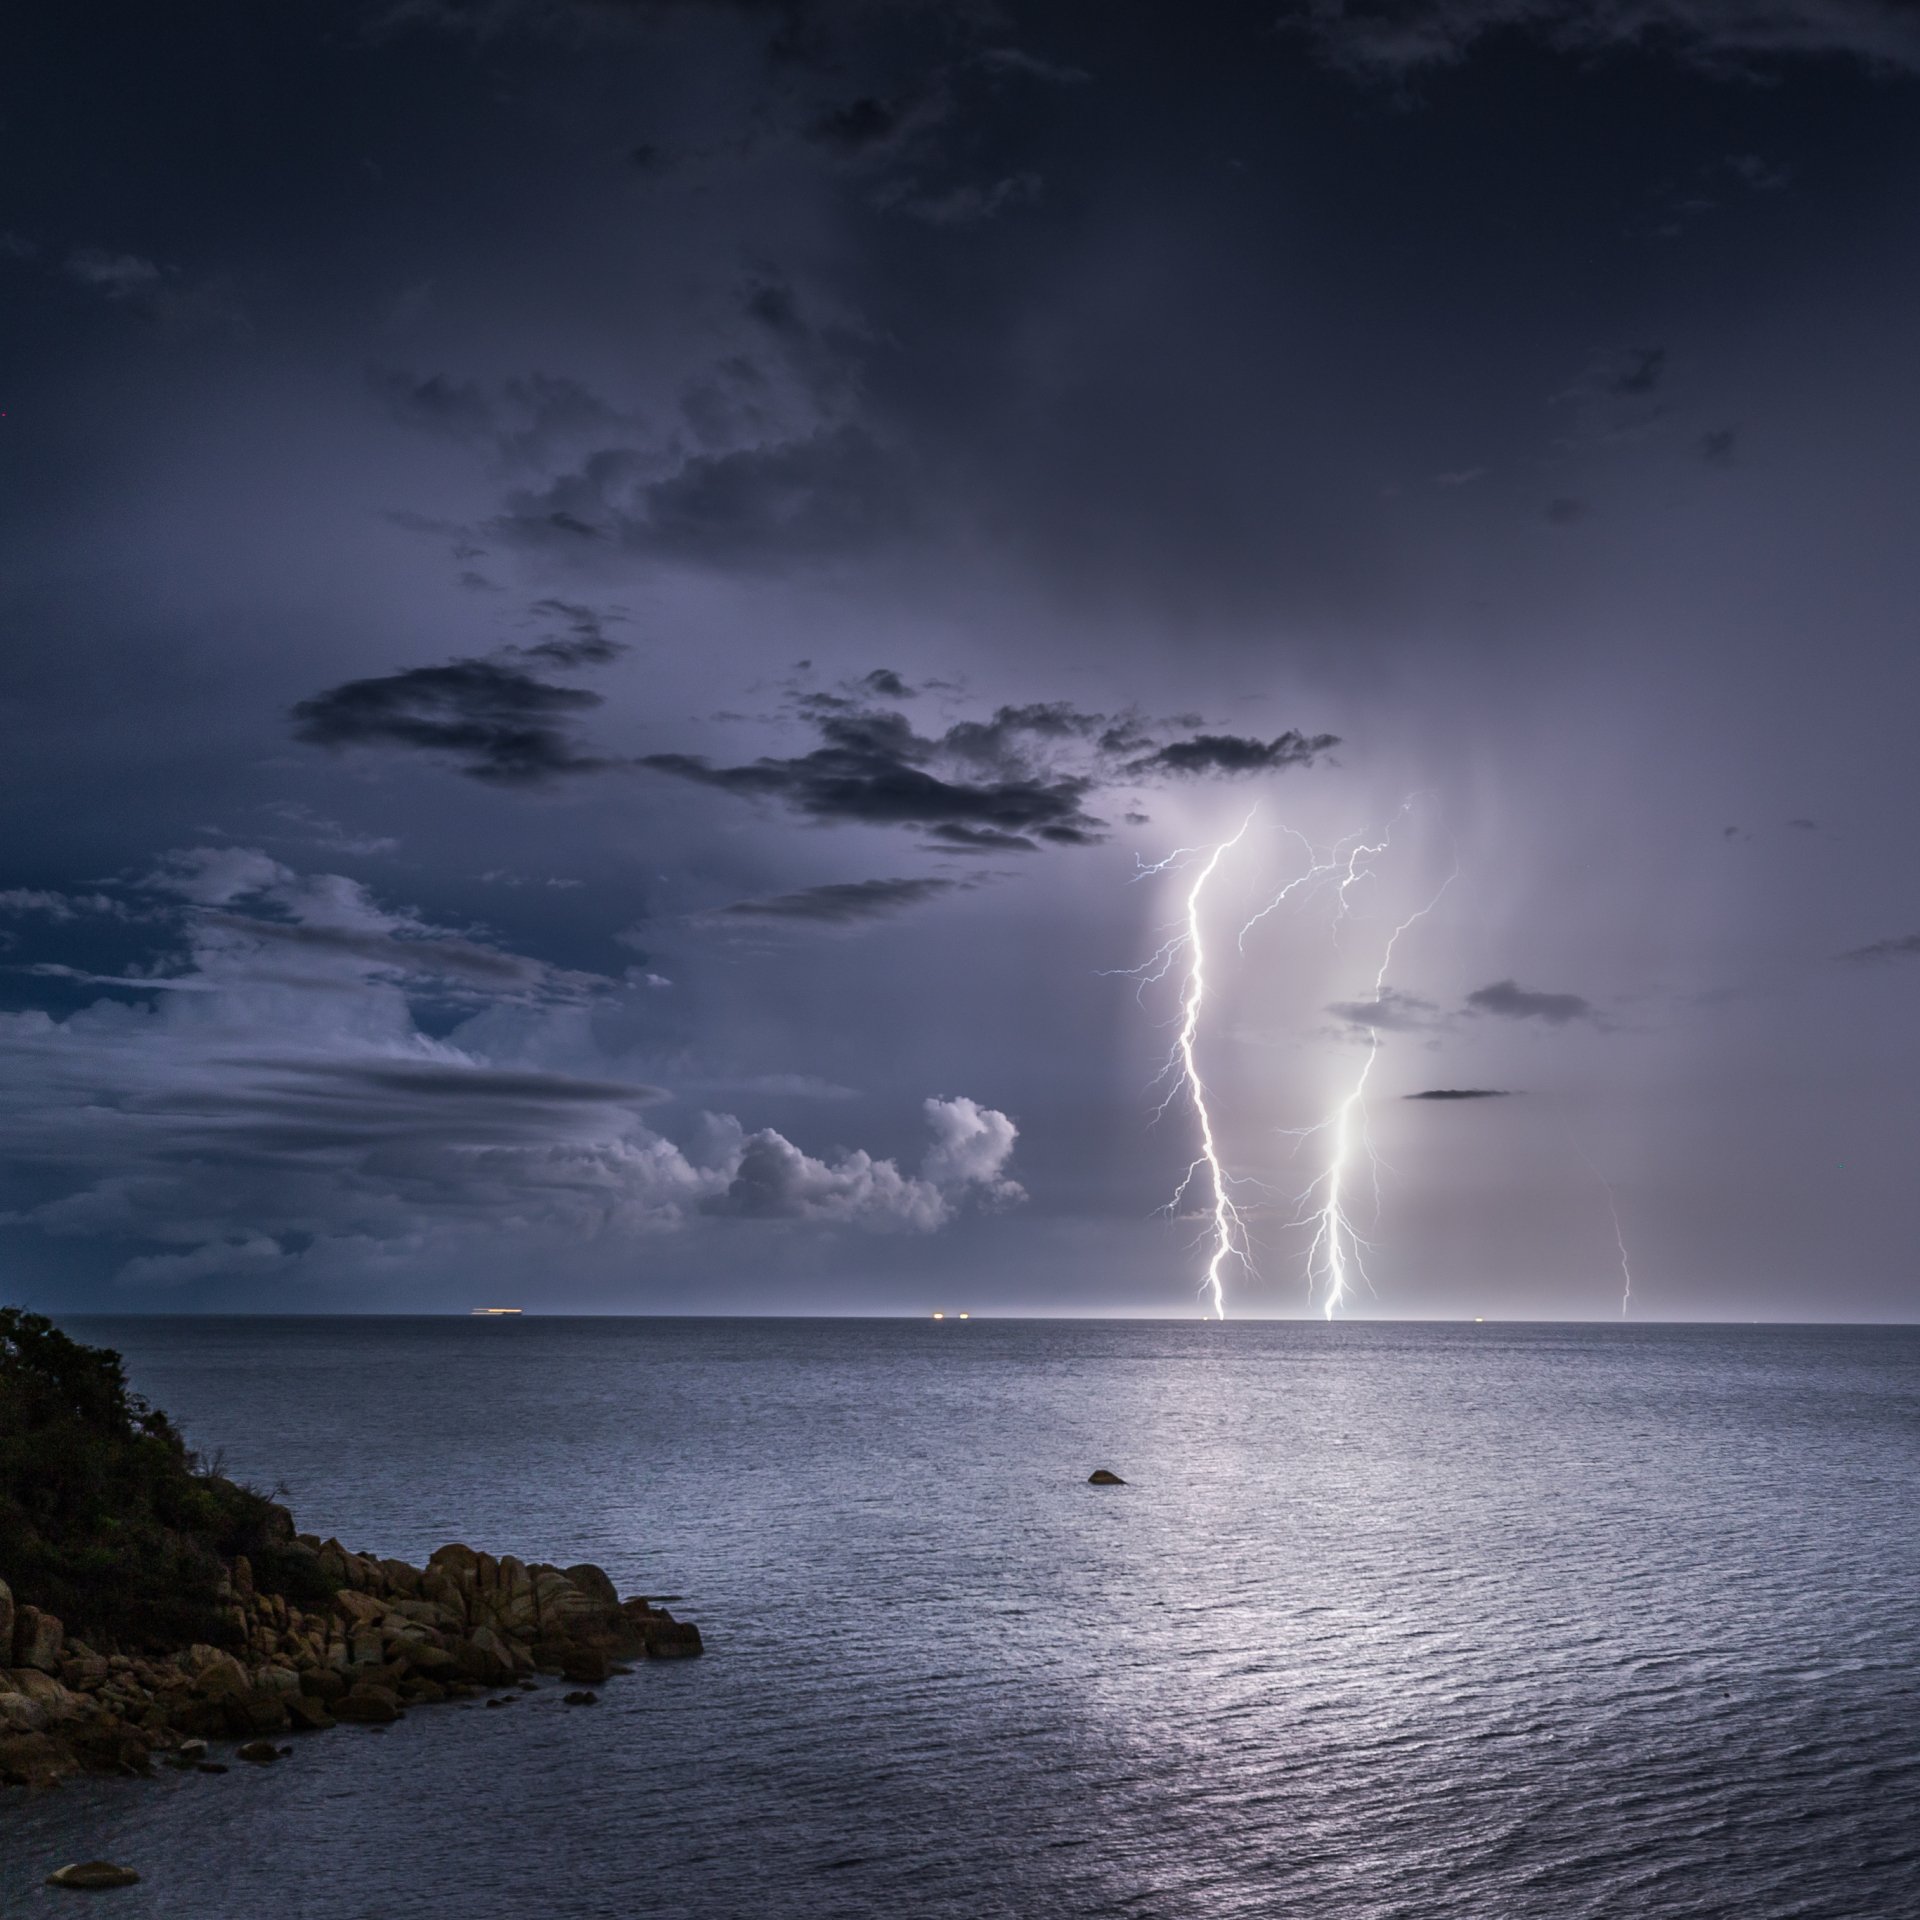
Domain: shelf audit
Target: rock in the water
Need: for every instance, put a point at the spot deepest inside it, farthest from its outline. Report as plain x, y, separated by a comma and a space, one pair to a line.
369, 1704
592, 1580
93, 1873
256, 1712
671, 1639
263, 1753
33, 1760
580, 1697
307, 1715
584, 1666
1100, 1477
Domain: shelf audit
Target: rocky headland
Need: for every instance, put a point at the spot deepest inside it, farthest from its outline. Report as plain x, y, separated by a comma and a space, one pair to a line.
149, 1605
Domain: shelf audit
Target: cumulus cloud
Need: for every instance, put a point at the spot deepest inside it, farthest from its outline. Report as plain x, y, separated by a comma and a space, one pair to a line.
772, 1179
1508, 1000
971, 1147
233, 1124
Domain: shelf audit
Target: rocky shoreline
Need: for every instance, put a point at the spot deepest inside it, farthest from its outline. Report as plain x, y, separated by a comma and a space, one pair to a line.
387, 1636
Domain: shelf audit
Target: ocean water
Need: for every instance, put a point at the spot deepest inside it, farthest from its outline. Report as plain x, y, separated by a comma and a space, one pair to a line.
1490, 1622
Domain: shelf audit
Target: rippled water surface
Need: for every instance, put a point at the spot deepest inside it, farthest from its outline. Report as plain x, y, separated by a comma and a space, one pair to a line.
1488, 1622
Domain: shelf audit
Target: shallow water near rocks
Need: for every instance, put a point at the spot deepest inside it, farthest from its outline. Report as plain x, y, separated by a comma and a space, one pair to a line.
1388, 1621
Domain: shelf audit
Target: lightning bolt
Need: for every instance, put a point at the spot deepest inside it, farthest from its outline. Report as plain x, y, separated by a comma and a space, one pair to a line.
1336, 1251
1620, 1241
1613, 1214
1227, 1230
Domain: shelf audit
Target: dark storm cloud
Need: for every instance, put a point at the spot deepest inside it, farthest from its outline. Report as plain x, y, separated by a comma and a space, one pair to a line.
1645, 366
1717, 445
1004, 740
951, 838
993, 785
1228, 753
1458, 1093
501, 725
856, 782
1400, 37
522, 421
432, 1080
1905, 946
841, 903
829, 492
858, 126
586, 642
444, 956
872, 767
1508, 1000
887, 685
1024, 775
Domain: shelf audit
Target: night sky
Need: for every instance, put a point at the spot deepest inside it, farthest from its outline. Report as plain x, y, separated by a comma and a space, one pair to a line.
606, 603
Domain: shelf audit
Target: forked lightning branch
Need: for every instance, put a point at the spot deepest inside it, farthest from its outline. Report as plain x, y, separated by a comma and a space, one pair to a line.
1323, 1211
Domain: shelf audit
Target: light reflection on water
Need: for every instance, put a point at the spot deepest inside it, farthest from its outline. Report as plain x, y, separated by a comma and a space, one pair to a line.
1487, 1622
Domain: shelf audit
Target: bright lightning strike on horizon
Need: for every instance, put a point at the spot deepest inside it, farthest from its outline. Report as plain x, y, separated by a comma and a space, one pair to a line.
1337, 1250
1620, 1241
1228, 1236
1613, 1215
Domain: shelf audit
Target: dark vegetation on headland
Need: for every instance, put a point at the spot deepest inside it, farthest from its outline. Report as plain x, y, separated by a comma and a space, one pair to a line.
107, 1519
148, 1603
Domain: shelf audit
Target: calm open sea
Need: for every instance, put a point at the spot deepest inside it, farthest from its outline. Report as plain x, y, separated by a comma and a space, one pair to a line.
1490, 1622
